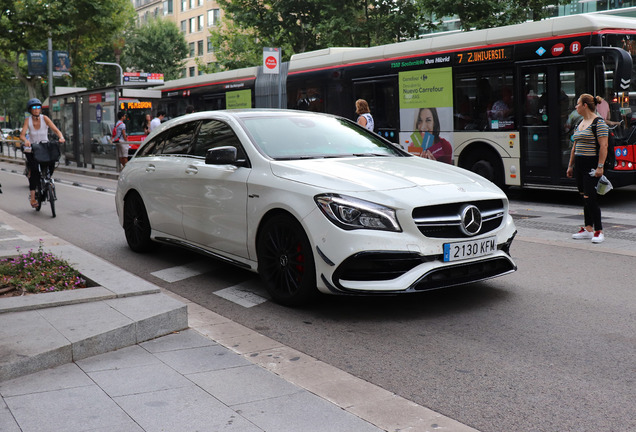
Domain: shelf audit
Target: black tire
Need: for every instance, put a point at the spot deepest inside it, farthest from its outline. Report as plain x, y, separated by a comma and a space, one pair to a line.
51, 198
137, 224
286, 261
485, 169
489, 168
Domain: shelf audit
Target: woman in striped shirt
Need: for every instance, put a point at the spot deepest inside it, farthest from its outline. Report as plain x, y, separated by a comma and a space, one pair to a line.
586, 165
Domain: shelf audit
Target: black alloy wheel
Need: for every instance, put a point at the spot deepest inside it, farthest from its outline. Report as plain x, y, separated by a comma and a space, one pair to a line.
136, 224
286, 262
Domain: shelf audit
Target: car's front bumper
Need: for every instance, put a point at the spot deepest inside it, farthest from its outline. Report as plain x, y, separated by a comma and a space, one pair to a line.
380, 262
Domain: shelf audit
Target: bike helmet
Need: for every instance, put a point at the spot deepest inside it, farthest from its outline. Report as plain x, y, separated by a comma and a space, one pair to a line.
33, 102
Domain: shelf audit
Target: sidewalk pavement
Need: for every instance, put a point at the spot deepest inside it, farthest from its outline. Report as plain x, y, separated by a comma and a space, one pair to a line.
128, 356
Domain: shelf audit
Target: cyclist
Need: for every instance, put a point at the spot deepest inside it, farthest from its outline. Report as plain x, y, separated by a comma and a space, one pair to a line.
37, 126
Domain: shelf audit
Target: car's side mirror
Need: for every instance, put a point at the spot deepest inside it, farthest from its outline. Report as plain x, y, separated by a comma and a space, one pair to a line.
221, 156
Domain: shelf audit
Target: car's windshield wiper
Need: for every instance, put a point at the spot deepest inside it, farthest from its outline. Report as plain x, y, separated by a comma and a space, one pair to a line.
332, 156
370, 155
298, 158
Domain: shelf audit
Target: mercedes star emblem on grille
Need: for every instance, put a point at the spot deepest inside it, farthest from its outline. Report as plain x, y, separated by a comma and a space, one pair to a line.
471, 220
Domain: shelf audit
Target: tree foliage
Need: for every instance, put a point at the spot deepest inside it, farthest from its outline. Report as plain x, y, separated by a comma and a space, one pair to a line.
233, 48
80, 27
157, 47
479, 14
298, 26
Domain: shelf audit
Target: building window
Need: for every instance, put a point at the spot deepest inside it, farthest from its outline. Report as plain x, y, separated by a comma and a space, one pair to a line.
200, 47
193, 25
191, 46
184, 5
210, 46
184, 26
200, 24
192, 71
199, 2
167, 7
214, 17
192, 4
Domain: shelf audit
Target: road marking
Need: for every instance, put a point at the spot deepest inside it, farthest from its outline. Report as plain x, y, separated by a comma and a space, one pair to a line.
244, 294
178, 273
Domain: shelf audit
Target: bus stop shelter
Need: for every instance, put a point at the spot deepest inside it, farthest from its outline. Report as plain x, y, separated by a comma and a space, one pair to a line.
86, 118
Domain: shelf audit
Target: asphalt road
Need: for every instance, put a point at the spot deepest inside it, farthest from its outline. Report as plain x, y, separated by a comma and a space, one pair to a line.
551, 347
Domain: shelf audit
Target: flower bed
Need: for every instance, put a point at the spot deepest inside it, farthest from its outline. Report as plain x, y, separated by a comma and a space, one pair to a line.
37, 272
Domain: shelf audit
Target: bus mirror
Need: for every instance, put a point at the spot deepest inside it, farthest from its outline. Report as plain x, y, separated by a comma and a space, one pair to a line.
622, 60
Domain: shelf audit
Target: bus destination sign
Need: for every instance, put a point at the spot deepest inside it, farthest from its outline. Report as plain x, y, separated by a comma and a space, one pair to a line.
484, 55
135, 105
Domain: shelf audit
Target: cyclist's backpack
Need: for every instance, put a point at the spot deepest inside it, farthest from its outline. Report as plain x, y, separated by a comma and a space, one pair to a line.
114, 133
610, 158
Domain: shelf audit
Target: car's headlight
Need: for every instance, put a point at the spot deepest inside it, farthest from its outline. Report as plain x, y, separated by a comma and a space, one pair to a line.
352, 213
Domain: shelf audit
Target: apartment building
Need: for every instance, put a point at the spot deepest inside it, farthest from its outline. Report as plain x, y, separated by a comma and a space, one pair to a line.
193, 17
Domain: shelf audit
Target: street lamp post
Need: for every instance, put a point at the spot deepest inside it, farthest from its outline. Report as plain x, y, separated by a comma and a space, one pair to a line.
121, 71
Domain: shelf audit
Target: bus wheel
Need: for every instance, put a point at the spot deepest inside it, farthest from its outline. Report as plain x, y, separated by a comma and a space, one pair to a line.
485, 169
488, 168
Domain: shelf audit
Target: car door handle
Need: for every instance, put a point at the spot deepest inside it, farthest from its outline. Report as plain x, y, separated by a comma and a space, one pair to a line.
150, 168
191, 170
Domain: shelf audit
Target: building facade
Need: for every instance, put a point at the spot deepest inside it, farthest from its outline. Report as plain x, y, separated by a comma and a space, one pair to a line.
194, 18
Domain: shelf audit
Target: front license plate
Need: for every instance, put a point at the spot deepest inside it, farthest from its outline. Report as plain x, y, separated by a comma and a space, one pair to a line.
469, 249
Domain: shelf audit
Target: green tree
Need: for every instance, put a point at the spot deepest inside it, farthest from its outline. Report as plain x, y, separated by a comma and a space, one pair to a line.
156, 47
233, 48
479, 14
367, 22
305, 25
13, 98
80, 27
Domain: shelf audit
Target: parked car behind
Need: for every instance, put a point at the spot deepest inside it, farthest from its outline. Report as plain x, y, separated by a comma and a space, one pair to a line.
313, 203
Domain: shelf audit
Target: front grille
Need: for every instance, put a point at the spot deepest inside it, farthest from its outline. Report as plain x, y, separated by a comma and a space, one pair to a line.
372, 266
444, 220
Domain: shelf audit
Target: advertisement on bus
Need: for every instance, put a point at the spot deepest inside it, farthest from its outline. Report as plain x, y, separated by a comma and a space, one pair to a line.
426, 113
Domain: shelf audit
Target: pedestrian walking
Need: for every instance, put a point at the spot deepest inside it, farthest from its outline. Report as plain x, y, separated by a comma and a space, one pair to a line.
120, 138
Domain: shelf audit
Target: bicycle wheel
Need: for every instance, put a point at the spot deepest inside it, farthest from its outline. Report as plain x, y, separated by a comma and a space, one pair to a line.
51, 197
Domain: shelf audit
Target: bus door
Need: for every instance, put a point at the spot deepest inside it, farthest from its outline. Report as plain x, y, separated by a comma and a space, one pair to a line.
382, 96
549, 94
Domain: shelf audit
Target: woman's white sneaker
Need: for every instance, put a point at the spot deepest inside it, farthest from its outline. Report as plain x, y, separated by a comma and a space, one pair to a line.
583, 234
598, 237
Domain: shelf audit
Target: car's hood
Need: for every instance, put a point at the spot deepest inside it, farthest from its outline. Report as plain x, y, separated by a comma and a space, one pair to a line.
375, 173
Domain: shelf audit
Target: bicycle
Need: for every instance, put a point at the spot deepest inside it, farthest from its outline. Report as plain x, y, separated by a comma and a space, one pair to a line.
46, 154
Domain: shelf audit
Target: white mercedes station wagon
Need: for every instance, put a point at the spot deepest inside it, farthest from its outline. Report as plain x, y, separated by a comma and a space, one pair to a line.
312, 202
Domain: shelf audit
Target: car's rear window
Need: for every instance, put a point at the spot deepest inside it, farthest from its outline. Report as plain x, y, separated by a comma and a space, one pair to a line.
298, 137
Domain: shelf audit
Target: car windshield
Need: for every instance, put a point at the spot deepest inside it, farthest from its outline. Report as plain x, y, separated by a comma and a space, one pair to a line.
311, 137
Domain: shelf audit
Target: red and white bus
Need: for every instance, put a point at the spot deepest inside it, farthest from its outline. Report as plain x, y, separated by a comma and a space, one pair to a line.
501, 100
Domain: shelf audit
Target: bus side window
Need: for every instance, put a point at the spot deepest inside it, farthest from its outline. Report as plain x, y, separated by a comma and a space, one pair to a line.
484, 101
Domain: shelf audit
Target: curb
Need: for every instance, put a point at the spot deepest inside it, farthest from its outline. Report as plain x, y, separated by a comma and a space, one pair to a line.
108, 174
41, 331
